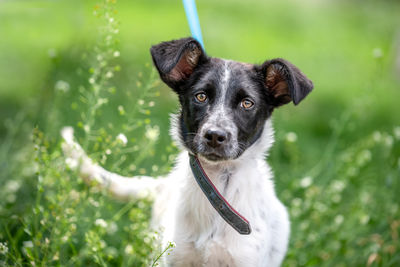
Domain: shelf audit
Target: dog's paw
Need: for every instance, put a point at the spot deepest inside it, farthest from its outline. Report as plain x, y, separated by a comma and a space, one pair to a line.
75, 156
68, 134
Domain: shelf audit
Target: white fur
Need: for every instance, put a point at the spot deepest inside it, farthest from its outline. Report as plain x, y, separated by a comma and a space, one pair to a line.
201, 236
218, 117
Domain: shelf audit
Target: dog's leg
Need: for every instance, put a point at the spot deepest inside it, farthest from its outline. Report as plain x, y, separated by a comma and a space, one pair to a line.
121, 187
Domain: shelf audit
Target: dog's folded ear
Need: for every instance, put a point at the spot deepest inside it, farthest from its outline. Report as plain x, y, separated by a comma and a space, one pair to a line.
285, 82
176, 60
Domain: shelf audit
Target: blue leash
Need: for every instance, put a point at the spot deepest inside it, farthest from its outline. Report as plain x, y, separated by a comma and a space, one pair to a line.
225, 210
193, 20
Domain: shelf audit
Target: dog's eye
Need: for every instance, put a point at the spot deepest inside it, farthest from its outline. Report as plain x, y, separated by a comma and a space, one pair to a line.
246, 103
201, 97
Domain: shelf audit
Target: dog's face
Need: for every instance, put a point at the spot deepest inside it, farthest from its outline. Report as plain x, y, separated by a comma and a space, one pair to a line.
224, 104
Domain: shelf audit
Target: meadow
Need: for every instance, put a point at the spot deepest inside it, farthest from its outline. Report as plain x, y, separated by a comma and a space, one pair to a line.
86, 64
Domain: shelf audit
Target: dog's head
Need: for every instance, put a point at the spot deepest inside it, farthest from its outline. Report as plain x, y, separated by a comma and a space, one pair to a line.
224, 104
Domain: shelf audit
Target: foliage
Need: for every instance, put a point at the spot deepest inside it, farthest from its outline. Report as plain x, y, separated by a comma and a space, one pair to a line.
336, 158
64, 222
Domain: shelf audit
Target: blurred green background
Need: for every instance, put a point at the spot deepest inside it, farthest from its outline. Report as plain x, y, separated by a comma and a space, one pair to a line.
336, 158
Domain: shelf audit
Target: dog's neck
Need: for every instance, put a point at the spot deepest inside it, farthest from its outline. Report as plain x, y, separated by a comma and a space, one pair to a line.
220, 170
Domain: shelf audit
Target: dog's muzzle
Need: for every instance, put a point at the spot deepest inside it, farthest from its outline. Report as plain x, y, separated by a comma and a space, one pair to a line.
216, 144
216, 138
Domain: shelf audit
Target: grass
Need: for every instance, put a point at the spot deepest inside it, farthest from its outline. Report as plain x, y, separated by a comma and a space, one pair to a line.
336, 158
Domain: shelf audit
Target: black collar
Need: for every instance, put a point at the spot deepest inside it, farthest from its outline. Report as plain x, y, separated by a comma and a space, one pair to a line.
229, 214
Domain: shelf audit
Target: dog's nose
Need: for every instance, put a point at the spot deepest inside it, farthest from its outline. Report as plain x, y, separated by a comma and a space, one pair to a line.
215, 138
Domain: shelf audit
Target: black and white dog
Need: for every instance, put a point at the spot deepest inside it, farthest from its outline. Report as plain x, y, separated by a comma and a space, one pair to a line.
224, 121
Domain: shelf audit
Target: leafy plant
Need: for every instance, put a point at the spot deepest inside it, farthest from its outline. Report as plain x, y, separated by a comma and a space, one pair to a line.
66, 222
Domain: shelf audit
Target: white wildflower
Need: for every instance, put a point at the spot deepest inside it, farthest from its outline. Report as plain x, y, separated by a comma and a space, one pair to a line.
94, 202
108, 152
296, 202
151, 104
152, 133
12, 186
100, 222
141, 102
116, 54
74, 195
338, 185
304, 225
364, 157
102, 101
112, 228
122, 139
72, 163
154, 168
321, 207
147, 240
3, 248
69, 211
339, 219
92, 80
377, 136
306, 182
86, 128
132, 167
291, 137
121, 110
65, 238
27, 244
62, 86
128, 249
109, 74
364, 219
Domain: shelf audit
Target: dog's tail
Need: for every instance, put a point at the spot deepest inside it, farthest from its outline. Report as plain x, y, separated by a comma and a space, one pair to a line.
120, 186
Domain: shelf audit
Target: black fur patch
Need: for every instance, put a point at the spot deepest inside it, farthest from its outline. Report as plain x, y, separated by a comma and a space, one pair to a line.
184, 66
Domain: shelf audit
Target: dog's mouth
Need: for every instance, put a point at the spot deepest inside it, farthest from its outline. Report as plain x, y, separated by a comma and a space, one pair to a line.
220, 153
214, 156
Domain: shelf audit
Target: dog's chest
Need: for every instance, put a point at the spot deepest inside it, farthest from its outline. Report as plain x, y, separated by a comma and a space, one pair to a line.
198, 214
204, 235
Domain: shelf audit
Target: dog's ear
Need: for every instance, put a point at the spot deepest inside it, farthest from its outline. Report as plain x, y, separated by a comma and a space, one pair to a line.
285, 82
176, 60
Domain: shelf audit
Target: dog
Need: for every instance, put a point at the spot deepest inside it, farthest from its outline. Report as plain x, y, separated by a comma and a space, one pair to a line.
224, 124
